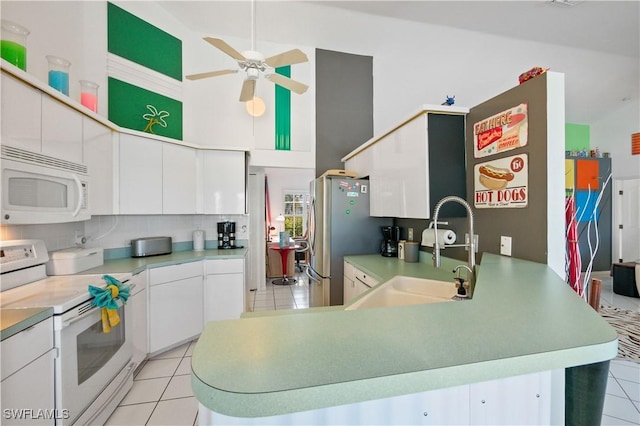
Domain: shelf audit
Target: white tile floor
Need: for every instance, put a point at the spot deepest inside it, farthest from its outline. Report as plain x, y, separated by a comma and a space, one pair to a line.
161, 393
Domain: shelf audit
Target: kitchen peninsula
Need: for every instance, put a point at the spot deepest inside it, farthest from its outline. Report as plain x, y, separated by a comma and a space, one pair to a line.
522, 320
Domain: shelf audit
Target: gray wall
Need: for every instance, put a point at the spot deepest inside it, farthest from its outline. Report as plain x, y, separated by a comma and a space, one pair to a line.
526, 226
344, 106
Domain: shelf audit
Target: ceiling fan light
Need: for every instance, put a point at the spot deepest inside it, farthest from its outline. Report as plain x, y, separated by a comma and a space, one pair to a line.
255, 107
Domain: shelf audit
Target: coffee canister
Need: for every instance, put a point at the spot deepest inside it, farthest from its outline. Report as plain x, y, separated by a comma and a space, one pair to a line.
411, 250
198, 240
401, 244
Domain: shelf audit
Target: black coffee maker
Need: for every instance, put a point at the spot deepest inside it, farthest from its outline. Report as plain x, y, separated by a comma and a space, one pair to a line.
226, 235
391, 236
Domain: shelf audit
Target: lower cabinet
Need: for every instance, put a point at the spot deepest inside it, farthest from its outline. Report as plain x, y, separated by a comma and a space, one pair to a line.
516, 400
139, 321
510, 401
356, 282
27, 388
224, 289
175, 304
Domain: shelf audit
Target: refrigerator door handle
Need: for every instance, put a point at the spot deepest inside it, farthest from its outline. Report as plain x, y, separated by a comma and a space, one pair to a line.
311, 226
318, 276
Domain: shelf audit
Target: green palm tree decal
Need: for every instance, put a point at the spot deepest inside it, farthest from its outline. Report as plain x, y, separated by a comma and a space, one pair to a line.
154, 118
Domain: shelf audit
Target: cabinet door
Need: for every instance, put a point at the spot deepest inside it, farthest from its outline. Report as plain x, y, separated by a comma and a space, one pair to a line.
99, 146
175, 312
349, 289
139, 326
61, 130
224, 297
178, 179
517, 400
140, 175
399, 184
223, 182
21, 115
31, 388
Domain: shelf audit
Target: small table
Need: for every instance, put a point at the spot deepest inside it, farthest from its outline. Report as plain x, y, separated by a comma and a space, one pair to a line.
284, 254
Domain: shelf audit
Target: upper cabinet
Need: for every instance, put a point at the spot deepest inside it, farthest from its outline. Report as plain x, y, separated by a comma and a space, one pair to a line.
415, 164
21, 115
36, 122
100, 150
140, 168
179, 179
223, 182
129, 173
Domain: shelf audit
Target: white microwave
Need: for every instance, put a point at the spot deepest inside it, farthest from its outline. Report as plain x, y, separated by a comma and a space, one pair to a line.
38, 189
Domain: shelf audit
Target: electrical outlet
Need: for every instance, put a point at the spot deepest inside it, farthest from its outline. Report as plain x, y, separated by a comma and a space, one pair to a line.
505, 246
410, 234
475, 242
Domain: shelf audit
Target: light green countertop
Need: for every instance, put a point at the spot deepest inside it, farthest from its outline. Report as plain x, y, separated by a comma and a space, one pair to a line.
13, 321
16, 320
523, 319
138, 264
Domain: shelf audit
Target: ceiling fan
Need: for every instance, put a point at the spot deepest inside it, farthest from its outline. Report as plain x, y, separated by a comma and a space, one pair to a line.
254, 64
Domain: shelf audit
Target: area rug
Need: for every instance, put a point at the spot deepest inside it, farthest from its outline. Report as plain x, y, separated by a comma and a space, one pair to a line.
627, 324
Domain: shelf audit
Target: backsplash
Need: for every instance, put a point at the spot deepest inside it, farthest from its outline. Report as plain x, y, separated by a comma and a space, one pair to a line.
111, 232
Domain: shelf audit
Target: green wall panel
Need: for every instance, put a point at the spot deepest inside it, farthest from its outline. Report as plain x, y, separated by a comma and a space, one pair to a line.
138, 41
577, 137
139, 109
283, 113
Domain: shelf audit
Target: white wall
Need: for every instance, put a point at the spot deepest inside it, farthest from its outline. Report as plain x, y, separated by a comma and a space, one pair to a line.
612, 133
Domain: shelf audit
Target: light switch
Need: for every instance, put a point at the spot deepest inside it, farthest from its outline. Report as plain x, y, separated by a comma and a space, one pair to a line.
505, 246
410, 234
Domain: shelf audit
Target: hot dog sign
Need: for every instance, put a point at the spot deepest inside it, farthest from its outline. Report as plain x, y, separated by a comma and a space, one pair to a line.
502, 183
502, 132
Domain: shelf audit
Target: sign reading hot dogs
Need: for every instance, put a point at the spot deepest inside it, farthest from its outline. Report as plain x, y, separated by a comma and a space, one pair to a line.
501, 132
502, 183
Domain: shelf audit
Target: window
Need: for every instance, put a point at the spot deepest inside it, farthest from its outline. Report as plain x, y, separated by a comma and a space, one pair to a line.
295, 212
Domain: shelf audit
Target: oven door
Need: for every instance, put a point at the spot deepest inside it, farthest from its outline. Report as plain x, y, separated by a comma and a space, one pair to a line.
89, 359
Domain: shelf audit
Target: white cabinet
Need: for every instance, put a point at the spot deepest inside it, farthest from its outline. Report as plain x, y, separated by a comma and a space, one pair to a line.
100, 156
398, 181
140, 168
516, 400
61, 130
139, 318
36, 122
415, 165
28, 375
223, 182
224, 291
175, 304
156, 177
178, 179
356, 282
21, 115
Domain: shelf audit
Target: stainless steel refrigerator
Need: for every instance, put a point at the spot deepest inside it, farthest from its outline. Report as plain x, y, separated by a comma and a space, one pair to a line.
339, 225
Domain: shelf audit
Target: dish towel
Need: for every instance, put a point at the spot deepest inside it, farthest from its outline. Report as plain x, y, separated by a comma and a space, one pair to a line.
107, 299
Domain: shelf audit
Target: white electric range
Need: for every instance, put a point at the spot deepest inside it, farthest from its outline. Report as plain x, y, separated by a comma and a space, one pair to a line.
93, 369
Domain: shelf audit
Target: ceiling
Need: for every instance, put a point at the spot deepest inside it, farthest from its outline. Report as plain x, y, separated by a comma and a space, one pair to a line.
601, 26
605, 26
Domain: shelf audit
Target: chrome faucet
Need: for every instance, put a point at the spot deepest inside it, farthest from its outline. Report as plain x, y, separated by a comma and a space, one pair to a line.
471, 263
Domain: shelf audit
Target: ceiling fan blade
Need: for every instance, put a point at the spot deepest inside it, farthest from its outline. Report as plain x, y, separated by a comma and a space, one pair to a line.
286, 82
210, 74
248, 90
291, 57
222, 45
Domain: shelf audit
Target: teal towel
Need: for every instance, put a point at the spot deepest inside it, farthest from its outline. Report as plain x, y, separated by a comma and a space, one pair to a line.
103, 297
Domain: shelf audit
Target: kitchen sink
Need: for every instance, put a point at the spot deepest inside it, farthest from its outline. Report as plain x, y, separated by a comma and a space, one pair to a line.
402, 290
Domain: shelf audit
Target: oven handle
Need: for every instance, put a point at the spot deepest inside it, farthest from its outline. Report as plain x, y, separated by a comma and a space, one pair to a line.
130, 369
67, 323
